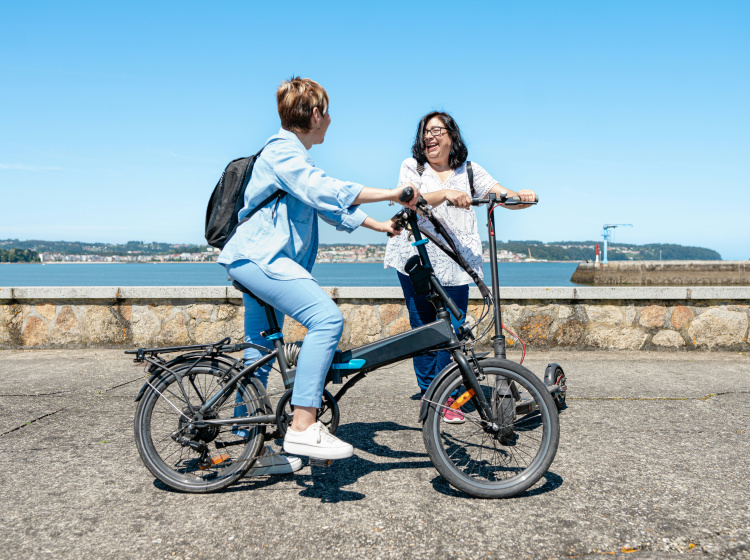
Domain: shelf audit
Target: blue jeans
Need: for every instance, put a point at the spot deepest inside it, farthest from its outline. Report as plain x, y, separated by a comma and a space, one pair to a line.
421, 312
305, 302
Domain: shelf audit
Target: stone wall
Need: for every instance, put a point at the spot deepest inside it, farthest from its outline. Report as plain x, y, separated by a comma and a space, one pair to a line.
664, 273
699, 318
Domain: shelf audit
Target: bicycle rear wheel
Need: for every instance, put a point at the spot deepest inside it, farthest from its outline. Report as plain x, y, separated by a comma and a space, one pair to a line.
494, 463
197, 459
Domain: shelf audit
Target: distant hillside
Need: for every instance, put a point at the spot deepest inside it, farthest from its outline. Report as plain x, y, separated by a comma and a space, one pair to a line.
553, 251
103, 249
586, 250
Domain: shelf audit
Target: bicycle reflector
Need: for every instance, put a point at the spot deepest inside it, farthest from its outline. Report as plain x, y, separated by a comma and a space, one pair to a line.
460, 401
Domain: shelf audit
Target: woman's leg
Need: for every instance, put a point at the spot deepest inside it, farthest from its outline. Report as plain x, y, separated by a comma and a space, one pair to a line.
421, 312
307, 303
460, 295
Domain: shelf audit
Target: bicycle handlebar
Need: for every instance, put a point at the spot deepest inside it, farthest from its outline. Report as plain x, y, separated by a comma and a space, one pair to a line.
506, 200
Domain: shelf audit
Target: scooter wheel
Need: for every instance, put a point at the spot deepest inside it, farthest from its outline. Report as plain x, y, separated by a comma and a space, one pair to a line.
554, 375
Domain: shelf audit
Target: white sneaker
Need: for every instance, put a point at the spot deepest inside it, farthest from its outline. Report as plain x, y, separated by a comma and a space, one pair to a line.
316, 442
272, 462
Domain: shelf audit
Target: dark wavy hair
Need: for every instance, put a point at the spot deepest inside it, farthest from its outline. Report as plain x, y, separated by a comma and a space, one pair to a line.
459, 152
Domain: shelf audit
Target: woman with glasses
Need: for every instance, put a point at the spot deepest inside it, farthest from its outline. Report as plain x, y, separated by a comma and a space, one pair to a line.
438, 165
272, 255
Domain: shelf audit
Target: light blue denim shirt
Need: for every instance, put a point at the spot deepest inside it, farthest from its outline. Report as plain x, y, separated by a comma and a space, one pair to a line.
282, 238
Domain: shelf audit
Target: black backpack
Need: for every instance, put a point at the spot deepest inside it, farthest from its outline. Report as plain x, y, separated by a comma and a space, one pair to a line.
228, 199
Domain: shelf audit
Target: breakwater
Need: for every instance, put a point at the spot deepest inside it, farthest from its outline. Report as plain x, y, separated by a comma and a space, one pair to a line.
664, 273
694, 318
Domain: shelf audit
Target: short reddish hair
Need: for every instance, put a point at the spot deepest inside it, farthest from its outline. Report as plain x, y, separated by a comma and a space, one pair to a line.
296, 99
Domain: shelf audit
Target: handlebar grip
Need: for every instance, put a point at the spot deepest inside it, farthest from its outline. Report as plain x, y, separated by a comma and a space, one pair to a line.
406, 194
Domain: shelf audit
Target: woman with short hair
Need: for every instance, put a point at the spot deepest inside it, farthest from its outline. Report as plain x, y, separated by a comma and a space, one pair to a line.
272, 254
438, 165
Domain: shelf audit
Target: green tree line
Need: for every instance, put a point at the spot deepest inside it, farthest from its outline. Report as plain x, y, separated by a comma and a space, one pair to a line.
102, 249
18, 255
586, 250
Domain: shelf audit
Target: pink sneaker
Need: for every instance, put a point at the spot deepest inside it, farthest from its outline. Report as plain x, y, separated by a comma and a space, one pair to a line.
452, 416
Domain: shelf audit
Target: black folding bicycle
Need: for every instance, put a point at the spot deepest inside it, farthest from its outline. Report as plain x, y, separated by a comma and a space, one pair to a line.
202, 417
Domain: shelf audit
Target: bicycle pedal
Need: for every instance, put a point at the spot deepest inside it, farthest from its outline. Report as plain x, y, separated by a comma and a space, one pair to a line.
217, 460
315, 462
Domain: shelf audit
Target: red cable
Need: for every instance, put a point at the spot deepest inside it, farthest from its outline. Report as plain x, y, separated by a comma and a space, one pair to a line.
519, 340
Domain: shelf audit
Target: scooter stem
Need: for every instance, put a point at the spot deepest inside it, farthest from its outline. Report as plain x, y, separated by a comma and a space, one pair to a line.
498, 341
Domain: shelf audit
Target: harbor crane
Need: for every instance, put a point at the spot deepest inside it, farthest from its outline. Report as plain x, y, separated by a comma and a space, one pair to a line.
606, 233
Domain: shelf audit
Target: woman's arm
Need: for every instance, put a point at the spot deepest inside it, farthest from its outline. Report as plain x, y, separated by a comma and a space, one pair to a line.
457, 198
370, 194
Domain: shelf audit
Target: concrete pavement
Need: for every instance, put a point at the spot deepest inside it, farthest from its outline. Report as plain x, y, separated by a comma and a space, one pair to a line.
653, 463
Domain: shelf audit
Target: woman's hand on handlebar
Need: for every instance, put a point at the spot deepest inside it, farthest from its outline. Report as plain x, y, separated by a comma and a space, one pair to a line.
398, 194
527, 195
390, 227
459, 199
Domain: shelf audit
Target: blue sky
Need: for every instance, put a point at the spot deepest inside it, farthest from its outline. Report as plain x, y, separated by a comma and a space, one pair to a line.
118, 118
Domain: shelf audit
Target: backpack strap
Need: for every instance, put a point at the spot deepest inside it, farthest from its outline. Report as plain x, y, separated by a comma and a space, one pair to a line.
276, 195
470, 173
420, 169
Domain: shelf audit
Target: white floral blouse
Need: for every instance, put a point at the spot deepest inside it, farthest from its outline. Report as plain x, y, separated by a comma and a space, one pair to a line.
460, 223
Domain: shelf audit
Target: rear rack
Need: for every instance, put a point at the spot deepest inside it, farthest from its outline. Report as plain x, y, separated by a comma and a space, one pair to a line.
223, 346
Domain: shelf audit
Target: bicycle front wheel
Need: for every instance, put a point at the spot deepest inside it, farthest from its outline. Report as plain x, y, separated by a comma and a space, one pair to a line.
186, 455
489, 461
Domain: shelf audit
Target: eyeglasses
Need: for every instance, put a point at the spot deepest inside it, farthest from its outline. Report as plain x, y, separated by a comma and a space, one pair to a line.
436, 131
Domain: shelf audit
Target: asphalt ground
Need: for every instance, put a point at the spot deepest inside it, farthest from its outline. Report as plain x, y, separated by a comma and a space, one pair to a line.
653, 463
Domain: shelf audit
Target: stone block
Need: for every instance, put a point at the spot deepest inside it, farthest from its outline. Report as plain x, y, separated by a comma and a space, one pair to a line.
389, 312
66, 330
681, 316
143, 326
565, 312
35, 332
46, 310
535, 329
398, 326
200, 311
653, 316
11, 323
668, 339
627, 338
123, 311
208, 331
100, 326
570, 334
173, 332
604, 314
365, 326
718, 328
227, 311
161, 311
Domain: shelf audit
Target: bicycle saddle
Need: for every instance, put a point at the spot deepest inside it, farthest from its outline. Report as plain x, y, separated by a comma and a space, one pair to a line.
244, 290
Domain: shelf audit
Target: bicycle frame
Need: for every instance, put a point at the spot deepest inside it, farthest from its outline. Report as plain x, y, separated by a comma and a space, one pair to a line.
358, 361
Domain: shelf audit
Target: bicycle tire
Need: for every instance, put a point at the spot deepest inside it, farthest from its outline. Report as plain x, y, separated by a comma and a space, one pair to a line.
488, 464
196, 460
